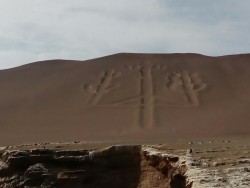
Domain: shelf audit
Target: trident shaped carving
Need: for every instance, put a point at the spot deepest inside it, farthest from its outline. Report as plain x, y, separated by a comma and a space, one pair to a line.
184, 82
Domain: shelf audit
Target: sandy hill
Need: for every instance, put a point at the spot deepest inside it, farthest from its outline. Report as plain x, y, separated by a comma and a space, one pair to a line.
126, 97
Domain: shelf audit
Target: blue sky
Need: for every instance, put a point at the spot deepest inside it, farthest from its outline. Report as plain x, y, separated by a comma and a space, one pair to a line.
33, 30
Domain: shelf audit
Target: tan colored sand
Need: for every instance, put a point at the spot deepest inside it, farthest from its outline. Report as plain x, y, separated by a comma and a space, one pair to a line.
126, 97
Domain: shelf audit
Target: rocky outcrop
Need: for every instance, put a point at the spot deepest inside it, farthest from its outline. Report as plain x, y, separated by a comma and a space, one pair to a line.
115, 166
160, 169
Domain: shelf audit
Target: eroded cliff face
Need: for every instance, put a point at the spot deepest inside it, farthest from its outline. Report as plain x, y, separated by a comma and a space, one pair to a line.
115, 166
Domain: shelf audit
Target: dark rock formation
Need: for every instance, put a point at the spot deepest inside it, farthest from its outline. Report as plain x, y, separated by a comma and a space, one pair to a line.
115, 166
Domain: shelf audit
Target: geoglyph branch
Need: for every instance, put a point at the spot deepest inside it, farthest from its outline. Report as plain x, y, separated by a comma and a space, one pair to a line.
191, 84
103, 86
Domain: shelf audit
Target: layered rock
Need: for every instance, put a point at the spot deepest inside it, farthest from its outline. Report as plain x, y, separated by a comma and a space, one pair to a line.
115, 166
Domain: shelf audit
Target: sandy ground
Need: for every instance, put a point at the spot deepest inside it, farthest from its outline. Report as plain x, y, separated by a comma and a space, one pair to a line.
126, 97
221, 162
186, 102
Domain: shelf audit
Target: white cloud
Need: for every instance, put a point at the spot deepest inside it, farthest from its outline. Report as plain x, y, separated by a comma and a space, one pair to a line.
32, 30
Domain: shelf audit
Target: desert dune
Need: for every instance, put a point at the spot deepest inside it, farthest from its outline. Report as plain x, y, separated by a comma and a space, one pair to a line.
126, 97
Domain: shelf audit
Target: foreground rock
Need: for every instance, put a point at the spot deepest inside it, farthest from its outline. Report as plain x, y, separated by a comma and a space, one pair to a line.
198, 164
115, 166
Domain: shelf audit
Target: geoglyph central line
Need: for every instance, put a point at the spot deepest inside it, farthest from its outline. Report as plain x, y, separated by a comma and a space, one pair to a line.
177, 82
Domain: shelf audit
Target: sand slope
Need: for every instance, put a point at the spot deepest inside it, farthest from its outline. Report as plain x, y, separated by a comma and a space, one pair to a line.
126, 97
